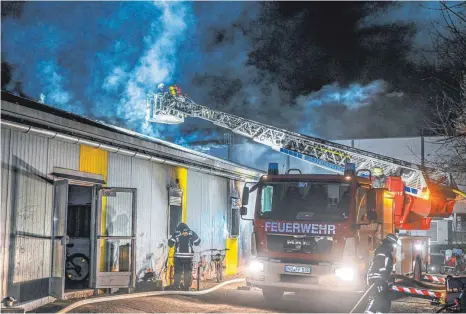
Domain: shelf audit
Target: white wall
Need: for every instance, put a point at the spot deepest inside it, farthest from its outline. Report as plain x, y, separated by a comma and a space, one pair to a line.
150, 180
26, 208
207, 203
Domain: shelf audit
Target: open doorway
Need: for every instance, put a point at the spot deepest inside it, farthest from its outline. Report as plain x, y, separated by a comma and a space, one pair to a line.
78, 231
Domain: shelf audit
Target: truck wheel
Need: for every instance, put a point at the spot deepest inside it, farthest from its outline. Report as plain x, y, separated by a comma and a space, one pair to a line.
442, 270
272, 294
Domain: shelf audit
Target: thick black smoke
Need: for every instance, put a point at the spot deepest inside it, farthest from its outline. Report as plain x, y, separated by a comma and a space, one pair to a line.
267, 59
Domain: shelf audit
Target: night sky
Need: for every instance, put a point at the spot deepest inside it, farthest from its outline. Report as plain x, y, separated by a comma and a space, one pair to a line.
329, 69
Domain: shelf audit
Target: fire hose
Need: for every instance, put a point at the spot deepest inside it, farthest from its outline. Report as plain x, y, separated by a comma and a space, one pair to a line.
146, 294
406, 290
362, 298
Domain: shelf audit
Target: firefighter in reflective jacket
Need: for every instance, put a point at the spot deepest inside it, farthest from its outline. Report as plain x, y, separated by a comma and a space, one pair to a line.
172, 90
379, 274
183, 239
379, 178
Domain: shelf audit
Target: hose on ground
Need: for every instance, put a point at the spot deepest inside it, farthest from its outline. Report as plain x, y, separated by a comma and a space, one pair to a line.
146, 294
362, 298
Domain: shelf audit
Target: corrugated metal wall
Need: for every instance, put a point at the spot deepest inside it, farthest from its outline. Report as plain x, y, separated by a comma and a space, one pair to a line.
27, 208
150, 180
207, 208
119, 208
28, 192
4, 215
158, 218
27, 195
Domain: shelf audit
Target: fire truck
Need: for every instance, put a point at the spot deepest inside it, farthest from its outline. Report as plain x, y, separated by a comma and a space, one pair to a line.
314, 231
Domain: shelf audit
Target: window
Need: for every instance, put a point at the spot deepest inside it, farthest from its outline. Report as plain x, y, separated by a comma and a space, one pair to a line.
306, 200
266, 199
361, 204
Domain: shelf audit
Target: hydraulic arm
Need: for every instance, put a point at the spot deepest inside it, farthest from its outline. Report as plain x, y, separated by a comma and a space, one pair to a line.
419, 181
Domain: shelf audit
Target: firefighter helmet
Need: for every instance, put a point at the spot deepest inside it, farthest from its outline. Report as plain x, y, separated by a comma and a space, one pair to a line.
392, 239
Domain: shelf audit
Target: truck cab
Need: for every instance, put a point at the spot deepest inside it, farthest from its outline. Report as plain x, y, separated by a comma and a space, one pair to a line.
306, 232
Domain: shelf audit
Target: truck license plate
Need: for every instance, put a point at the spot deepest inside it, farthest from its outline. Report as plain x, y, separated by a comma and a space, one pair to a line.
297, 269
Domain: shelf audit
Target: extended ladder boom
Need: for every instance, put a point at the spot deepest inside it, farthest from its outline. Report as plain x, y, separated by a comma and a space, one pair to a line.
325, 154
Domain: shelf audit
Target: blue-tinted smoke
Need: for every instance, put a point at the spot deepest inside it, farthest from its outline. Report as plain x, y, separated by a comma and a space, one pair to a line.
98, 59
353, 96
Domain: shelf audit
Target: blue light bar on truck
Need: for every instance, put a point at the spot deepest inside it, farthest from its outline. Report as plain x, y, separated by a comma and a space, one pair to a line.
273, 168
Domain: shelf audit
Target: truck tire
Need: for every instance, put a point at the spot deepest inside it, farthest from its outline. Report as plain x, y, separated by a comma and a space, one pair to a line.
272, 294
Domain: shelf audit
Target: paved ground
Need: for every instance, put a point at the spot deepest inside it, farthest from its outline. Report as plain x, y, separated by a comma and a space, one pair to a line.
229, 299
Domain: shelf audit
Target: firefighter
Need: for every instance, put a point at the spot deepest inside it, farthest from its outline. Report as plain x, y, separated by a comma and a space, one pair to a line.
160, 88
172, 90
183, 239
379, 273
379, 178
178, 90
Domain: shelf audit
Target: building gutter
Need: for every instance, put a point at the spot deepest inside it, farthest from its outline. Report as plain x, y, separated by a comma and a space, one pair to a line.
24, 128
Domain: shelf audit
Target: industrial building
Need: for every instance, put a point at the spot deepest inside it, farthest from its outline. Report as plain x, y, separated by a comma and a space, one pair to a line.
114, 194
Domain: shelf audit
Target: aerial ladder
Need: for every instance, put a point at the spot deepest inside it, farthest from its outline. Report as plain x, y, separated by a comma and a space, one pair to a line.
427, 192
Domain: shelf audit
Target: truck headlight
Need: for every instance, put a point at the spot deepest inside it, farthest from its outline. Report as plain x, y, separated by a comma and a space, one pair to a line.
345, 273
256, 267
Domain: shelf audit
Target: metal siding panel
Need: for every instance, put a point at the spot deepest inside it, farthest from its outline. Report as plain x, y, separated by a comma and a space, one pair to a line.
218, 205
207, 202
195, 206
142, 180
119, 207
5, 217
63, 155
182, 176
28, 193
93, 160
159, 213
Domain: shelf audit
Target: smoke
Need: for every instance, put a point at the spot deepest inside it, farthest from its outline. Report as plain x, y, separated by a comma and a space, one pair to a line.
96, 59
53, 87
353, 96
358, 111
289, 67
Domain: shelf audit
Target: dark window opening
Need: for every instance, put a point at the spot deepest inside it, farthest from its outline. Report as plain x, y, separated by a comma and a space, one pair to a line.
78, 229
175, 217
305, 200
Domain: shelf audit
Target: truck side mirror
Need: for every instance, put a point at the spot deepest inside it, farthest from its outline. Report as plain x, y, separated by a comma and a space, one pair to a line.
243, 211
245, 200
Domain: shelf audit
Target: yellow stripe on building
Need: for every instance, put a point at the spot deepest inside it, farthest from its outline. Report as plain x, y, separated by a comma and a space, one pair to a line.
231, 256
182, 176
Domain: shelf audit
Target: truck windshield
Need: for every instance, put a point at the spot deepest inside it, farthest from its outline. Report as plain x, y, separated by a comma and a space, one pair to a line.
316, 201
